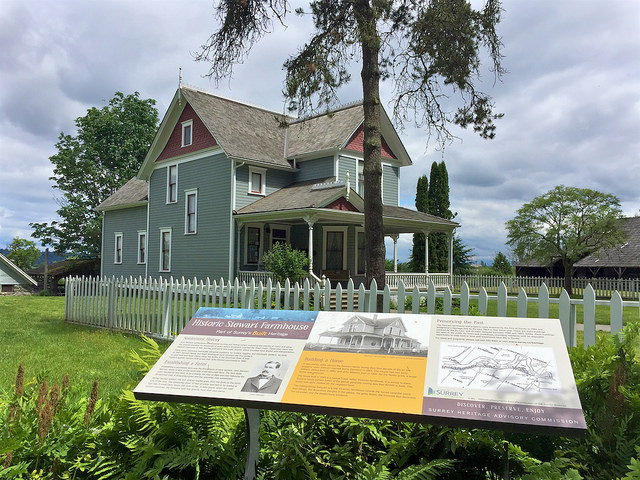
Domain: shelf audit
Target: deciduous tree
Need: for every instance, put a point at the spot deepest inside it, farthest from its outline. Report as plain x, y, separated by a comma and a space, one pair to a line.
430, 49
107, 150
566, 222
23, 253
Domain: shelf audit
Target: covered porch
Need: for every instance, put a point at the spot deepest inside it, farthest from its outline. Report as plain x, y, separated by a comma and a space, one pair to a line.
326, 222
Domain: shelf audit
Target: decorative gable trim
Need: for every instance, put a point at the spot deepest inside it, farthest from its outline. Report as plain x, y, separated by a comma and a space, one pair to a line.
200, 137
342, 204
356, 143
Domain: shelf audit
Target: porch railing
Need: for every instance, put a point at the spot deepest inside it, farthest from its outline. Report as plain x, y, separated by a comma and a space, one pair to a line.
420, 280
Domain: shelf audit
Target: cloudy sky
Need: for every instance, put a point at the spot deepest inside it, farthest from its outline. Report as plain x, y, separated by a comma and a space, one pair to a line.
571, 100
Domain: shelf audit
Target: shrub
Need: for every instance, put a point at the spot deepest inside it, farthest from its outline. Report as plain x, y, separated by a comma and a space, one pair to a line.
286, 263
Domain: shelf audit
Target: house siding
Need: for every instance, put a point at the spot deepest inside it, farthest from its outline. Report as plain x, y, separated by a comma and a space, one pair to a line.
201, 137
348, 164
206, 253
316, 168
275, 180
128, 221
8, 275
390, 177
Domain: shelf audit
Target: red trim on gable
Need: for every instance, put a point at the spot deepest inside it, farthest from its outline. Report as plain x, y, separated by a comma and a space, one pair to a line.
357, 144
200, 136
342, 204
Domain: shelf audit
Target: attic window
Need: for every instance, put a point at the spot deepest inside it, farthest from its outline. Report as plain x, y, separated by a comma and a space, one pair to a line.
257, 181
187, 133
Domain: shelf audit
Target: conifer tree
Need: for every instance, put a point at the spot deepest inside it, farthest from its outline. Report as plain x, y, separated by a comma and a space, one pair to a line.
438, 205
422, 198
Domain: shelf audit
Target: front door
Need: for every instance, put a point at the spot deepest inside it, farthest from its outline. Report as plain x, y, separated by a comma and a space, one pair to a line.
335, 250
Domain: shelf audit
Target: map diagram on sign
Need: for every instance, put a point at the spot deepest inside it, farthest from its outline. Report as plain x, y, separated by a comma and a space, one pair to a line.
499, 368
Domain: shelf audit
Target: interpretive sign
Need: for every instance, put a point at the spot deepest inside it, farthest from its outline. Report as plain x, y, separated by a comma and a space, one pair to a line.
505, 373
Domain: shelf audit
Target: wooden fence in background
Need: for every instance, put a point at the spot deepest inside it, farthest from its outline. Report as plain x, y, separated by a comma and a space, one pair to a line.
161, 308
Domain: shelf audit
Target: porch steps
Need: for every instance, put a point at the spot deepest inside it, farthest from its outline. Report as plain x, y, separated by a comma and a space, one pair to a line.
345, 300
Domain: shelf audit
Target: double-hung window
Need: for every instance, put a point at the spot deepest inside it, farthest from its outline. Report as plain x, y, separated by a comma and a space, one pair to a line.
165, 250
142, 247
257, 181
117, 254
191, 211
187, 133
172, 183
279, 235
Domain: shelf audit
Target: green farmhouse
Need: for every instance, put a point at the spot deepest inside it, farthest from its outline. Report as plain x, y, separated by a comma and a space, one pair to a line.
223, 181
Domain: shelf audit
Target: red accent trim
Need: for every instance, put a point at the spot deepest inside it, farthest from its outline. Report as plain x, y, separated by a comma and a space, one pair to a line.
200, 136
356, 143
342, 204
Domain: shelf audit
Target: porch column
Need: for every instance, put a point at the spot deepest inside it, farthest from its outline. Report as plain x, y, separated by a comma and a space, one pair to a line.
426, 253
310, 222
395, 252
239, 226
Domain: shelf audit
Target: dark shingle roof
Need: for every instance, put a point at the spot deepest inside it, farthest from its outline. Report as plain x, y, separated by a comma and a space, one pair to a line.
131, 193
243, 131
309, 194
389, 211
324, 132
625, 255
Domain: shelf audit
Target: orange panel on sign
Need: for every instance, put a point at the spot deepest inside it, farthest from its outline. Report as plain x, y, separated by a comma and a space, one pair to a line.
359, 381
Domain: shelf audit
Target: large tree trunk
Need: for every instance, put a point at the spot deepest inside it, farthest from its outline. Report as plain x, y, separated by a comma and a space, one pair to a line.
568, 274
374, 234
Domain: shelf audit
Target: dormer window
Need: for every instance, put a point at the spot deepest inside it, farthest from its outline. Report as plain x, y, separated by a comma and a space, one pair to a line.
187, 133
257, 181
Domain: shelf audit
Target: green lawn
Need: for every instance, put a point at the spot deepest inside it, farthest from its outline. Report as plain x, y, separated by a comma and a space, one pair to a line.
33, 331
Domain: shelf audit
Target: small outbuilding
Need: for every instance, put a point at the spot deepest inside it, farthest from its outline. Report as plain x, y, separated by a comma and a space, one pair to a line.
13, 279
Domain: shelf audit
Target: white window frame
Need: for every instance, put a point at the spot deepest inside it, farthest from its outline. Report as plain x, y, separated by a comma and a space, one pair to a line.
359, 231
326, 230
117, 253
187, 193
142, 233
169, 199
263, 184
286, 228
185, 124
168, 267
260, 226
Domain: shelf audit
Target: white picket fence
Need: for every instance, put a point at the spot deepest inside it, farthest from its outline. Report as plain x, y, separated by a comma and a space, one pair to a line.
161, 308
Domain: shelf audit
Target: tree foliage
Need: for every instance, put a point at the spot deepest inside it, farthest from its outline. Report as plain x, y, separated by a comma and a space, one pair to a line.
422, 205
438, 205
23, 253
107, 150
566, 222
501, 265
462, 257
430, 50
286, 263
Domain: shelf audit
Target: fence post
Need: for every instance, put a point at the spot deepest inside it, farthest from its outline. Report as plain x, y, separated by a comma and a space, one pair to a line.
543, 301
502, 300
522, 303
373, 296
431, 298
589, 320
401, 297
567, 319
616, 313
166, 309
483, 301
464, 298
447, 301
415, 300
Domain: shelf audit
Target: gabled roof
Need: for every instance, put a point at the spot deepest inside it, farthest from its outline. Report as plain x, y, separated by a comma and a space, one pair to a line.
243, 131
625, 255
131, 194
17, 270
329, 131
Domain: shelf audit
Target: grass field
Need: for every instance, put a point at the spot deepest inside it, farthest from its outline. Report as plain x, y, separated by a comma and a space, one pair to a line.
33, 331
